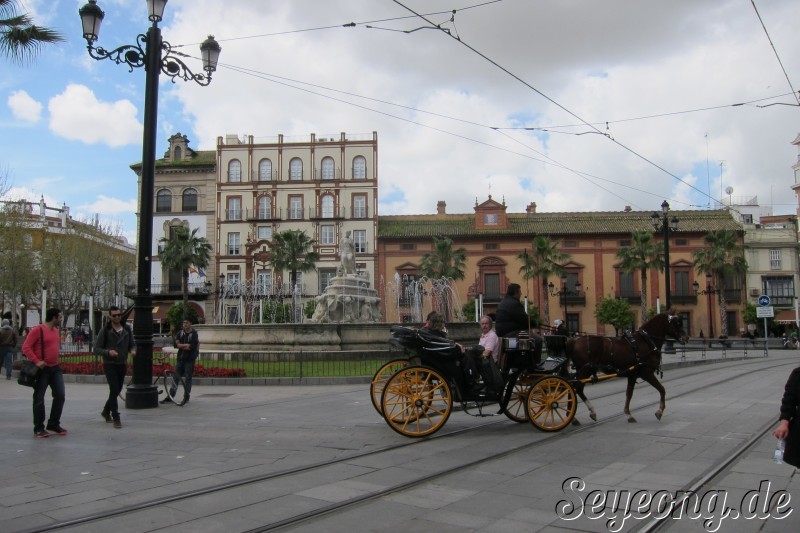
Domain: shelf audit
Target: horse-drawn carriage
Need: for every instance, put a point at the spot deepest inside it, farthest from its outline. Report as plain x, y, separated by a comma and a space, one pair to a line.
416, 394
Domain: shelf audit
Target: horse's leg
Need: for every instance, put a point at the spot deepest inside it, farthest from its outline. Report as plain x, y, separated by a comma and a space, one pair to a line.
651, 378
628, 396
582, 395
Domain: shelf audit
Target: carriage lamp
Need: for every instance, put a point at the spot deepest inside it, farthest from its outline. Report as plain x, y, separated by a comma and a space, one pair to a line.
157, 57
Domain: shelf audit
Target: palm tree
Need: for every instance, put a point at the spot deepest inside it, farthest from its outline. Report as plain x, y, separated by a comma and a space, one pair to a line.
181, 250
544, 261
723, 259
643, 254
444, 263
292, 250
20, 39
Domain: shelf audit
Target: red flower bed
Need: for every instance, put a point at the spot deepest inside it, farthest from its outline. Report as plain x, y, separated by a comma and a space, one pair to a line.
90, 368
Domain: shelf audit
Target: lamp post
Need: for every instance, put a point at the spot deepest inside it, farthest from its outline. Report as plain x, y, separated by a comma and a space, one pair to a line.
156, 56
709, 290
564, 292
662, 222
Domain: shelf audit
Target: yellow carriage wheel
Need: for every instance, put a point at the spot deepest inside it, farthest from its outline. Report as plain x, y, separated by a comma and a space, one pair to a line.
380, 378
551, 403
416, 401
517, 408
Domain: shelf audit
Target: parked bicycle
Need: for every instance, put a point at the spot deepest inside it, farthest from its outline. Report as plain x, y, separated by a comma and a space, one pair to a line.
163, 375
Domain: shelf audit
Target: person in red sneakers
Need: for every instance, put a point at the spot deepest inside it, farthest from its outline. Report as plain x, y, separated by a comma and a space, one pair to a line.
42, 346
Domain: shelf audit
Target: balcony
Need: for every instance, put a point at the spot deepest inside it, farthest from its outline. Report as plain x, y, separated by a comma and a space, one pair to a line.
326, 214
233, 214
683, 297
632, 297
264, 214
197, 291
578, 298
328, 175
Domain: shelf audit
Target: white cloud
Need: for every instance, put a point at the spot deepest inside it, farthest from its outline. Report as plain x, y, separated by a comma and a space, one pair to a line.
77, 114
24, 107
105, 205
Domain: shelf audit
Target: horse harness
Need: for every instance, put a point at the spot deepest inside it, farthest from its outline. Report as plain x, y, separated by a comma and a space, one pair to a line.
633, 342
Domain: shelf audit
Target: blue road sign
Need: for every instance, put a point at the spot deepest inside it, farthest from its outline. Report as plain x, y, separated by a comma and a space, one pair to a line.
763, 300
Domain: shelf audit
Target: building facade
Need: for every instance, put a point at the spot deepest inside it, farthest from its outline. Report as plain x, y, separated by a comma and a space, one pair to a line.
494, 239
325, 186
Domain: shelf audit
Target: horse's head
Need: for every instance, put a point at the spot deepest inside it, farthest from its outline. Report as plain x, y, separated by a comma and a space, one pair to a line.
675, 328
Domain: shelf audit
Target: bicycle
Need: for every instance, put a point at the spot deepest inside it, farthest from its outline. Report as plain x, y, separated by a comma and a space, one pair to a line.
165, 377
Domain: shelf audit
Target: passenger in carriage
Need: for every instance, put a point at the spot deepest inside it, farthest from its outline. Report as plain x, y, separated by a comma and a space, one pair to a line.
489, 340
512, 319
560, 328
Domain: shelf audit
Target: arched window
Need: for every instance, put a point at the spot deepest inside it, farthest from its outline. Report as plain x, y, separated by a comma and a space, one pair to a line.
234, 171
177, 154
189, 200
264, 207
164, 201
327, 168
359, 168
264, 170
327, 206
296, 169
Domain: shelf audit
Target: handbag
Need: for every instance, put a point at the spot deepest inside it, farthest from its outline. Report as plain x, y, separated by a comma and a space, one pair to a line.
28, 373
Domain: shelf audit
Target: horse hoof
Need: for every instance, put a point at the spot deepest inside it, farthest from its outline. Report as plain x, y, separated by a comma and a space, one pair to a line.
658, 414
576, 422
631, 420
593, 417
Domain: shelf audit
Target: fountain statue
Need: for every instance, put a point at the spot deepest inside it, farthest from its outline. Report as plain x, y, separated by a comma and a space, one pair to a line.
349, 297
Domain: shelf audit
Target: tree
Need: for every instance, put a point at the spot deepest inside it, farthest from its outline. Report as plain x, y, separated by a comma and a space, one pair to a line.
20, 38
293, 251
544, 261
642, 255
181, 251
20, 272
614, 312
443, 261
724, 259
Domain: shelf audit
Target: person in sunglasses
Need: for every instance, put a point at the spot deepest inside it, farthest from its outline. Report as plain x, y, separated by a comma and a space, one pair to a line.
114, 343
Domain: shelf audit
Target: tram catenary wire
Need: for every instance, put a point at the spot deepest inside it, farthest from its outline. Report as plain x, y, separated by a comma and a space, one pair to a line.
546, 438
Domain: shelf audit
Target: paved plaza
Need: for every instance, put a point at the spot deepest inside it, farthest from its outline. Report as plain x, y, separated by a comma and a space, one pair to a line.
232, 432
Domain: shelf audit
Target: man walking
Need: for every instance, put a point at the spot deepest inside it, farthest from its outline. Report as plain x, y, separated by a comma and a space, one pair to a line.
42, 347
114, 343
8, 343
188, 345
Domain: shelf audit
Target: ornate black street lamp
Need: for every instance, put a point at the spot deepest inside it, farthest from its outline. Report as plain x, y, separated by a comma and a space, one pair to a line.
564, 292
156, 56
709, 291
666, 225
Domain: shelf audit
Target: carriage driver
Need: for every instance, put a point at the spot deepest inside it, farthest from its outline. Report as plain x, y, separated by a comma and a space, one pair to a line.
511, 318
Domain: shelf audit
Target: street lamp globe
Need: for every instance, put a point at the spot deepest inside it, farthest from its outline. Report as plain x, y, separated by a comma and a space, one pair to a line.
209, 51
155, 10
91, 17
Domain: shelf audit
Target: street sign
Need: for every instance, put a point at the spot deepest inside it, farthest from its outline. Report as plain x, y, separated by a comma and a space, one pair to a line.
765, 312
763, 301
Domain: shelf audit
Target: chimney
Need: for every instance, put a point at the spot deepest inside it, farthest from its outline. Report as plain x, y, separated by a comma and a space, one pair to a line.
440, 207
531, 209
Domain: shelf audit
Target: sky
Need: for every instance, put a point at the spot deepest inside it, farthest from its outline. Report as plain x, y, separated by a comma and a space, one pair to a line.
576, 105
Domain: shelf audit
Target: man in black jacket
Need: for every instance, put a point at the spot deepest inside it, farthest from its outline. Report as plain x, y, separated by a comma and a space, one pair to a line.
511, 318
114, 343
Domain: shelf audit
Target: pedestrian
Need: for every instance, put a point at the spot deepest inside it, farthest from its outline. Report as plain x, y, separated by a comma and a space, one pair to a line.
114, 343
188, 345
8, 344
789, 428
42, 347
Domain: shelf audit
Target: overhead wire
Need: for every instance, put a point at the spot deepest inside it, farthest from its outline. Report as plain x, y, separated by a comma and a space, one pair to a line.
554, 102
778, 57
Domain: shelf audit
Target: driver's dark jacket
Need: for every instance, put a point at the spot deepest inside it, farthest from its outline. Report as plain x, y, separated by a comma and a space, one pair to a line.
511, 317
790, 410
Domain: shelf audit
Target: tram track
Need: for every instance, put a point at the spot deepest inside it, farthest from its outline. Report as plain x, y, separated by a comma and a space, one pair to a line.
377, 455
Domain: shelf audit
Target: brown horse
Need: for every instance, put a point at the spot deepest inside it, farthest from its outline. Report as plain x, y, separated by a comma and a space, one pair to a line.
637, 355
